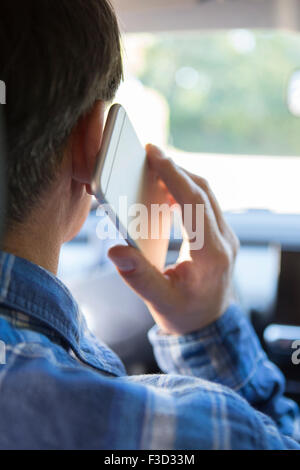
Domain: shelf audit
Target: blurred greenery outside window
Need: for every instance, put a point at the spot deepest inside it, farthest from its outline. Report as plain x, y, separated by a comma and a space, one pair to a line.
221, 92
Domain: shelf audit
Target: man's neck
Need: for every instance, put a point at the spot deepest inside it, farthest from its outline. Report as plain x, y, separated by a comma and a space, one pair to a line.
38, 244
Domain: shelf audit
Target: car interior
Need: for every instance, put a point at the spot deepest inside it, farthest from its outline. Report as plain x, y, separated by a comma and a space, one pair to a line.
216, 84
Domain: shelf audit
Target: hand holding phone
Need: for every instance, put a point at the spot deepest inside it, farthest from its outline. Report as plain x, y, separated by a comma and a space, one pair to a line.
134, 199
194, 292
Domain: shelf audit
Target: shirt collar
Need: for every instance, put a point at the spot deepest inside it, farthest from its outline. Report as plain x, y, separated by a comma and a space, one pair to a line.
30, 289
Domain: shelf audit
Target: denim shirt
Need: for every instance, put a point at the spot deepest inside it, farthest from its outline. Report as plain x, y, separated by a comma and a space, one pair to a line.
61, 388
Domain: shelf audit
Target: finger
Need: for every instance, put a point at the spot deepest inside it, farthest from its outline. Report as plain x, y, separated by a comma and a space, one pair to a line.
178, 183
185, 191
203, 184
224, 227
141, 275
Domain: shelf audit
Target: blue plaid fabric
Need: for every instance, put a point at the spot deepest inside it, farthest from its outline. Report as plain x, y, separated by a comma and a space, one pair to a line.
61, 388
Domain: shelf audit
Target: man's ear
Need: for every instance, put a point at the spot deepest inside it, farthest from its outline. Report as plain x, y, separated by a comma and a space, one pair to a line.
85, 144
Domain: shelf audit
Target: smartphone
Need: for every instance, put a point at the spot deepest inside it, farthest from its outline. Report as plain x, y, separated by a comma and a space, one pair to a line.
134, 198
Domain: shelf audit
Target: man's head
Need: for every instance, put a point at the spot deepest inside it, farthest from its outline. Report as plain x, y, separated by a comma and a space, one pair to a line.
60, 61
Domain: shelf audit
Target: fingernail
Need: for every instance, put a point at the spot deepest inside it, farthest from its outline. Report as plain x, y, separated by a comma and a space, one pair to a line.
124, 264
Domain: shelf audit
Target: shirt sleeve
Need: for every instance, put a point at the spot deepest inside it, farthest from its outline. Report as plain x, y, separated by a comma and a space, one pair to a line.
228, 352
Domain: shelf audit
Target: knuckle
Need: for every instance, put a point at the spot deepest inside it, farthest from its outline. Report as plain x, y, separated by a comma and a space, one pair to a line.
234, 243
204, 184
224, 259
197, 197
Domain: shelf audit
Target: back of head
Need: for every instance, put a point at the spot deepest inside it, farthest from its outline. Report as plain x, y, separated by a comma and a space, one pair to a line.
57, 57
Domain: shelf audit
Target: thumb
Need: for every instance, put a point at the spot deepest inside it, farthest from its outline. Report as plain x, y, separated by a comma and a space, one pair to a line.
146, 280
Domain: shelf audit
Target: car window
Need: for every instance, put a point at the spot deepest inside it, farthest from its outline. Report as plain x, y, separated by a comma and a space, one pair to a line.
224, 92
218, 103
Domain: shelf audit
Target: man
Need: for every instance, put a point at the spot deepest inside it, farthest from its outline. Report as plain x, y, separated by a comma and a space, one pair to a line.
60, 388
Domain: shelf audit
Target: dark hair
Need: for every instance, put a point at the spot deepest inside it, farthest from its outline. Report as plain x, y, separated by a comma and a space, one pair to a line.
57, 57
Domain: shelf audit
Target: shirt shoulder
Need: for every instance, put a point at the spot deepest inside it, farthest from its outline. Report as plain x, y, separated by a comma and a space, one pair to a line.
49, 402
